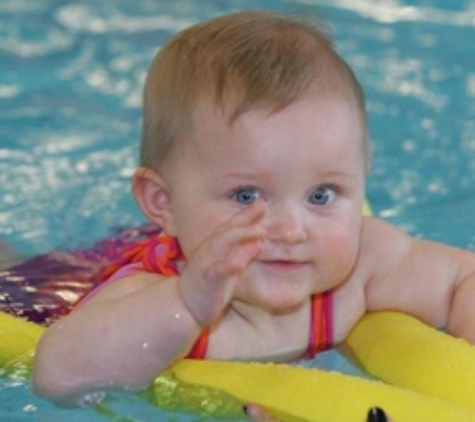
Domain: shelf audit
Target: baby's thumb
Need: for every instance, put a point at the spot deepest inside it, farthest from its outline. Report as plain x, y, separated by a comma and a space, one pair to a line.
258, 413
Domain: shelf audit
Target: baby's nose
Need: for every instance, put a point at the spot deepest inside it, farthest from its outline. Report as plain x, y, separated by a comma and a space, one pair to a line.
286, 225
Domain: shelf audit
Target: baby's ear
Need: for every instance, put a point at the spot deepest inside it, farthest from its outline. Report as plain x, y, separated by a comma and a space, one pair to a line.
152, 194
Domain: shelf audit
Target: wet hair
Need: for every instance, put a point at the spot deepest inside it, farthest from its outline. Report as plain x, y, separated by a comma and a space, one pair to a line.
236, 63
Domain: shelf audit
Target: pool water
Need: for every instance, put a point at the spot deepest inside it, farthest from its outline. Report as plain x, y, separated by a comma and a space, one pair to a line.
71, 75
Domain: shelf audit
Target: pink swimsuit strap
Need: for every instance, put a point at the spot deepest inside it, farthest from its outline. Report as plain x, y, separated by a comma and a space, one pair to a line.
321, 324
159, 254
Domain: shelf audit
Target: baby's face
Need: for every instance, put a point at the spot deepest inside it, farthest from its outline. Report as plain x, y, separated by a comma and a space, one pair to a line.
306, 163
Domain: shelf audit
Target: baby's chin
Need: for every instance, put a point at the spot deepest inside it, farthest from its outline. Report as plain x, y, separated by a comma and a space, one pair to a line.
280, 292
278, 301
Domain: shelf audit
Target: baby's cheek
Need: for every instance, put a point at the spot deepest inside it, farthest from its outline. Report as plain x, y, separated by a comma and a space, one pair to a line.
343, 247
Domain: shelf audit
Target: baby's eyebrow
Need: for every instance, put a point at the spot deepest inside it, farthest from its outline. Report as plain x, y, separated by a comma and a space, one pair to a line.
244, 174
338, 174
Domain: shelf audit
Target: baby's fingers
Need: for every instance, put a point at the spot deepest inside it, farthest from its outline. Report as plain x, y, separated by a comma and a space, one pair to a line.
232, 250
207, 283
211, 274
248, 215
238, 240
257, 413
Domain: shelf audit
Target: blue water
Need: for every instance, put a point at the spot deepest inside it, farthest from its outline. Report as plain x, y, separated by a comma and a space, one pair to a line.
70, 89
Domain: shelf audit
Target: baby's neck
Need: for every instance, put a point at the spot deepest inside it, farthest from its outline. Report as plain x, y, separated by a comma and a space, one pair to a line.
266, 335
264, 317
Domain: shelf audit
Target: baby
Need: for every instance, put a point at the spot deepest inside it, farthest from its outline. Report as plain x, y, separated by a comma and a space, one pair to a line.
253, 161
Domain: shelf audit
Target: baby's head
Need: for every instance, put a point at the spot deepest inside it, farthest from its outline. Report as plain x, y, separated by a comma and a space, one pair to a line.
254, 108
234, 64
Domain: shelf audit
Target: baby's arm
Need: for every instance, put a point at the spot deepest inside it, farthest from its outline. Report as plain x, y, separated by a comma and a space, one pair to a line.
461, 321
136, 327
429, 280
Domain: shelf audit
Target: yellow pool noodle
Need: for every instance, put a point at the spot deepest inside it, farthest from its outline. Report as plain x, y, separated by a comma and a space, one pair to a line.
317, 395
405, 352
18, 339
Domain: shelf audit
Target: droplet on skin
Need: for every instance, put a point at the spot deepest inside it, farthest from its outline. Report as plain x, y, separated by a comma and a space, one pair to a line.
144, 346
177, 316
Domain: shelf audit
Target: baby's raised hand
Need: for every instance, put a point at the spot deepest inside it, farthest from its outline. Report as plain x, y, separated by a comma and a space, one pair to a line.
207, 282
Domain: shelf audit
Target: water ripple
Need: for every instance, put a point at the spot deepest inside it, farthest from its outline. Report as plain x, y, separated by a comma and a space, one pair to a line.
390, 11
34, 38
79, 17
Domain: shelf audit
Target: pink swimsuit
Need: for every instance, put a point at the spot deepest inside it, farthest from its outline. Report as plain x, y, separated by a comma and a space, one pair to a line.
159, 254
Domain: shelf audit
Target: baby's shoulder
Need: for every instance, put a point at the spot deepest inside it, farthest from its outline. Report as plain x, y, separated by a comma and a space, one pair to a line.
382, 246
374, 225
380, 237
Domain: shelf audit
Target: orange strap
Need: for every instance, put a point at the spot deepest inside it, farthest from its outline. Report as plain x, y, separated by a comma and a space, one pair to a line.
198, 351
156, 254
321, 324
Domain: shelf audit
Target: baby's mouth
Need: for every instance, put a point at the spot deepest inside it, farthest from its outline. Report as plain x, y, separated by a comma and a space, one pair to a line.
283, 264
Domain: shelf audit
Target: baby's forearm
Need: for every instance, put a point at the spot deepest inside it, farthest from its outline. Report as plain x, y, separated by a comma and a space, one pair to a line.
461, 322
131, 340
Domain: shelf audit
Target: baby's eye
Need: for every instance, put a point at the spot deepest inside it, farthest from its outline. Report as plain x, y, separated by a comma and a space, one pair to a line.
322, 195
246, 196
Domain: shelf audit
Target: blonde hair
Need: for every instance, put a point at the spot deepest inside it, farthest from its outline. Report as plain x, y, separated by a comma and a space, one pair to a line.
238, 62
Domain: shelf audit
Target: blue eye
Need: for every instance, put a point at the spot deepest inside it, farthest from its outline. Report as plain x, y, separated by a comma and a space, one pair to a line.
246, 196
322, 195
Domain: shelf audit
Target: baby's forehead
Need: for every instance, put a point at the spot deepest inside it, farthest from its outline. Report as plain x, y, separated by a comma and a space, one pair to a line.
313, 115
210, 117
217, 142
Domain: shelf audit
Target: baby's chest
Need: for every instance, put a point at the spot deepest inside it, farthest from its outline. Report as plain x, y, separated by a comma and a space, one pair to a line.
245, 342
